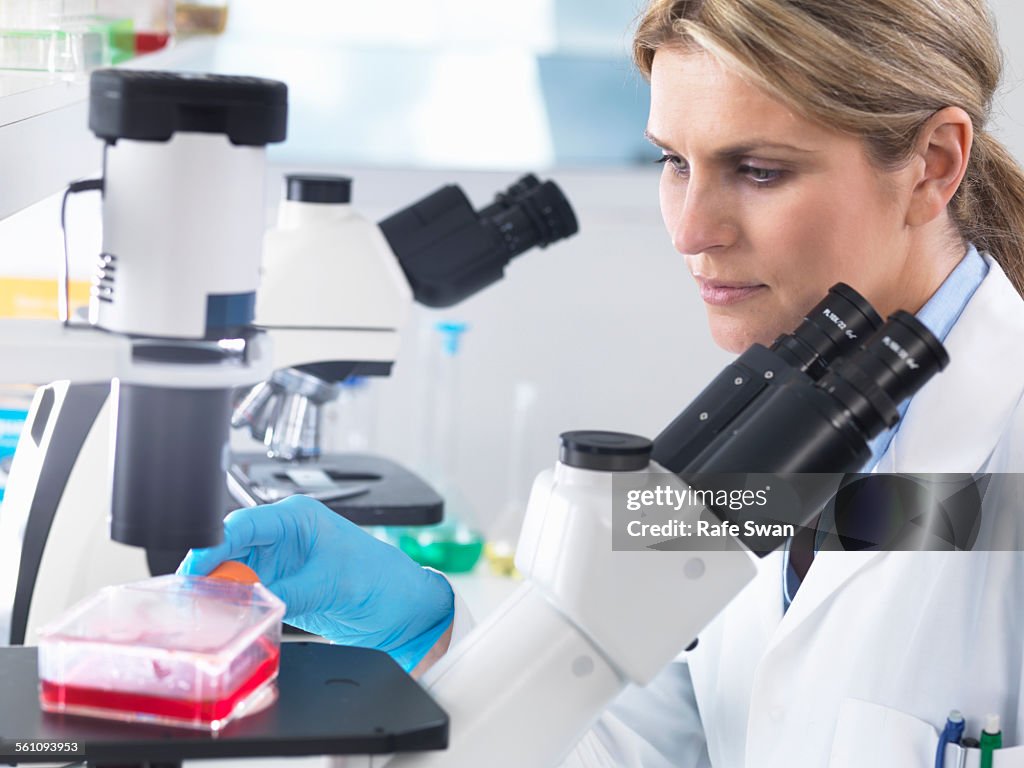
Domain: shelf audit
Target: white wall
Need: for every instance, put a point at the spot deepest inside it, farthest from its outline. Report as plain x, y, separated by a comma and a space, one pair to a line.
1008, 111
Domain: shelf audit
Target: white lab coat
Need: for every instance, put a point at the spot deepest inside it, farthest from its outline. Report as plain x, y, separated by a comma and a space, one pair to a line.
876, 648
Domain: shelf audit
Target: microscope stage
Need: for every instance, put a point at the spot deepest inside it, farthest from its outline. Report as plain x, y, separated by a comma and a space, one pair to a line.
368, 490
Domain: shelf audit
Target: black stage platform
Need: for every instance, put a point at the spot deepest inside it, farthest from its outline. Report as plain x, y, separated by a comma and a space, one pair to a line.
331, 700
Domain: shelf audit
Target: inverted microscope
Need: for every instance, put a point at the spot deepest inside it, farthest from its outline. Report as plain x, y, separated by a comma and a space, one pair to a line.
183, 314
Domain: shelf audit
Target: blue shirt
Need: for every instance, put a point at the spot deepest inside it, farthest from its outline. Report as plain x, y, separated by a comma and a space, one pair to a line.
939, 315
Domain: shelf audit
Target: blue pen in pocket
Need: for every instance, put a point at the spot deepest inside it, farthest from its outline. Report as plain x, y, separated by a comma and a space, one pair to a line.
951, 734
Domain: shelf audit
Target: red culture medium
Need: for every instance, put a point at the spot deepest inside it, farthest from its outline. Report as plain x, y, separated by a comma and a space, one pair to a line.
57, 696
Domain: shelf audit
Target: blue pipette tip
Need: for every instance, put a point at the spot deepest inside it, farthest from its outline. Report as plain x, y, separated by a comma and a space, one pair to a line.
452, 332
353, 382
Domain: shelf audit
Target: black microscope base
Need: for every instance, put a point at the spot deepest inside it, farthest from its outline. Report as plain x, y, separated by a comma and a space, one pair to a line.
331, 700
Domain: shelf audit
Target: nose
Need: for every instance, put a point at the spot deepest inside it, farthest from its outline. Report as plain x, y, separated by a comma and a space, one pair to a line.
697, 215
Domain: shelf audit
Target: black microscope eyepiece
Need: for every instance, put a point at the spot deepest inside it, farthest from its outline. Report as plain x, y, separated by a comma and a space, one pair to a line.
826, 426
890, 367
530, 213
449, 251
832, 329
837, 324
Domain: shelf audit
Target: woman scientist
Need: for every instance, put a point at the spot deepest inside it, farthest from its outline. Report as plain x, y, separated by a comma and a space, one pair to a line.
804, 142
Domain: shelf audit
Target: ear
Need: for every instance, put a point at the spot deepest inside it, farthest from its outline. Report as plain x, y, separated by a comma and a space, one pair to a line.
941, 152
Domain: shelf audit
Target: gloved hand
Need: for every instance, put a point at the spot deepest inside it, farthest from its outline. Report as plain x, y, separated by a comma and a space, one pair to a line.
336, 580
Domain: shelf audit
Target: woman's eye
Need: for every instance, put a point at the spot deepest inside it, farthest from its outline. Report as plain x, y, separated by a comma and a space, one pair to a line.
677, 164
760, 175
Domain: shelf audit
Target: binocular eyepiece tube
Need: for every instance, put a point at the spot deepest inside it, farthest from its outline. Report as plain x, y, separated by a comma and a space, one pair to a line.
833, 328
825, 426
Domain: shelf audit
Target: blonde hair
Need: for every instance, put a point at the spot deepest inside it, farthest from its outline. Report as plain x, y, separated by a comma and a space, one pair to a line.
873, 68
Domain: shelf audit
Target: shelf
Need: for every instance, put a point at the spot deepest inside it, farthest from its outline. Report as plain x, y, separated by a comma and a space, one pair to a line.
45, 140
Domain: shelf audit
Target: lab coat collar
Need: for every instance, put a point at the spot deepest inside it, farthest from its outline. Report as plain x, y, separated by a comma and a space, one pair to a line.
938, 433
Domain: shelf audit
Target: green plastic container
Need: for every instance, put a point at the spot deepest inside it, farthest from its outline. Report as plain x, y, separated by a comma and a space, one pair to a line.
447, 547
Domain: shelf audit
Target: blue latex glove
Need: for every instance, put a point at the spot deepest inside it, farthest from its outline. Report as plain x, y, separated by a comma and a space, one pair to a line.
336, 580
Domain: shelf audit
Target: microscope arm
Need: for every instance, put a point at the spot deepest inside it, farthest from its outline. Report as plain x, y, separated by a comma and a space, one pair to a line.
38, 351
80, 361
58, 422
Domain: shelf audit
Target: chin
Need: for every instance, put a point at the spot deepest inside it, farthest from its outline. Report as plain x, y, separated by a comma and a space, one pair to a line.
735, 335
731, 339
736, 331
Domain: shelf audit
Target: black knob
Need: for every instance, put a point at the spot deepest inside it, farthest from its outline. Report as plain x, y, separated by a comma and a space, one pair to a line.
315, 188
604, 451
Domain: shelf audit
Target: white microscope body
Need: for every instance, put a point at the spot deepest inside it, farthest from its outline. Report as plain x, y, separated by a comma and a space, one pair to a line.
524, 686
179, 208
330, 287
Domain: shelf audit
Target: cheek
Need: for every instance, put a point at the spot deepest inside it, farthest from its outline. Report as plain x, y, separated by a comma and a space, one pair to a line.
809, 244
843, 243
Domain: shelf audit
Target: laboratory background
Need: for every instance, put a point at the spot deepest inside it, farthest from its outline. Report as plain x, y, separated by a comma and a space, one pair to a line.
602, 330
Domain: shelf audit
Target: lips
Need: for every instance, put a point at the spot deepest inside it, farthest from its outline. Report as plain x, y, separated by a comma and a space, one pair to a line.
721, 294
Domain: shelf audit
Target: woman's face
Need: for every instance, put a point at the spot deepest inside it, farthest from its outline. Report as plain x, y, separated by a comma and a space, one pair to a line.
768, 208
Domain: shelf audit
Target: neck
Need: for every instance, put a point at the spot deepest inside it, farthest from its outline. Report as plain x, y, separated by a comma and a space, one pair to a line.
933, 251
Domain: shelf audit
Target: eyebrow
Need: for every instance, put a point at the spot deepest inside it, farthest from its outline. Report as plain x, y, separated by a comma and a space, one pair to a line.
736, 149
